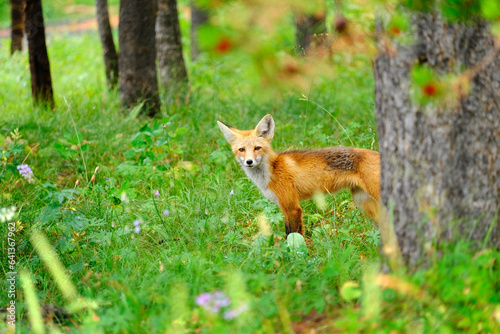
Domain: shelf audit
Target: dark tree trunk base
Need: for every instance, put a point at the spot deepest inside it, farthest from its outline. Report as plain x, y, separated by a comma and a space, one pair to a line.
17, 27
108, 45
41, 81
173, 74
137, 56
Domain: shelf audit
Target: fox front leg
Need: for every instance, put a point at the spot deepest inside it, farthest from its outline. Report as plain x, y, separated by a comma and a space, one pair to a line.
293, 218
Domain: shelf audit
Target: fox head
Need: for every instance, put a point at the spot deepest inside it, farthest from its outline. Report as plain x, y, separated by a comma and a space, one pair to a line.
250, 147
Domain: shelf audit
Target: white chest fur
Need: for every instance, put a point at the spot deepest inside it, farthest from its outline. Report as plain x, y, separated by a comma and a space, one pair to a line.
261, 176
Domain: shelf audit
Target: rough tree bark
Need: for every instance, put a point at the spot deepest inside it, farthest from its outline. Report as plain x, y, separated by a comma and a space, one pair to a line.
310, 30
41, 81
137, 57
441, 162
108, 45
173, 75
17, 26
199, 16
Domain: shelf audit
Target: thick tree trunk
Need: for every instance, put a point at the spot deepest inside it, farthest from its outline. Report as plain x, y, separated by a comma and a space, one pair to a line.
173, 75
441, 162
137, 56
108, 45
310, 31
17, 27
199, 16
41, 81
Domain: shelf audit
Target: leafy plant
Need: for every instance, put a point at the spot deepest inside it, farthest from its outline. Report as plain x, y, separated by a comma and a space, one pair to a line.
158, 145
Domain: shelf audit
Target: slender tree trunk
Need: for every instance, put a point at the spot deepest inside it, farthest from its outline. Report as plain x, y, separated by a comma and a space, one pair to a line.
441, 162
17, 27
137, 57
199, 16
310, 30
41, 81
173, 75
108, 45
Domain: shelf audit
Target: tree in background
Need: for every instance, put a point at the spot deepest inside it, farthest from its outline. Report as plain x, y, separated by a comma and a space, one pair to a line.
437, 101
173, 75
17, 26
137, 57
41, 81
108, 45
199, 16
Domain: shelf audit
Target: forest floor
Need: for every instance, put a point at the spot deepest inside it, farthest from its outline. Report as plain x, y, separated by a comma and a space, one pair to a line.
152, 223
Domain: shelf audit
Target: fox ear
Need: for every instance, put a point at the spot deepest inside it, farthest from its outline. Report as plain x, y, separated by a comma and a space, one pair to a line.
265, 128
228, 132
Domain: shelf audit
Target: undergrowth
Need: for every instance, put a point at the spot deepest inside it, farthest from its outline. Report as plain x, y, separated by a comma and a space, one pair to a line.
159, 230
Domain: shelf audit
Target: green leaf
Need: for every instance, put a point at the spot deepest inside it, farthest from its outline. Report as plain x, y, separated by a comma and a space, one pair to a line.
151, 155
145, 128
208, 36
490, 9
178, 151
350, 290
422, 75
180, 131
84, 147
135, 111
129, 154
2, 141
138, 140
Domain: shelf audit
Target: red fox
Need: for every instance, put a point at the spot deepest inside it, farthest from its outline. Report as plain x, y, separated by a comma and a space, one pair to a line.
289, 177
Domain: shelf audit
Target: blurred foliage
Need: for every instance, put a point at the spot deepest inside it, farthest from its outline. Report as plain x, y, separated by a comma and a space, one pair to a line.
99, 172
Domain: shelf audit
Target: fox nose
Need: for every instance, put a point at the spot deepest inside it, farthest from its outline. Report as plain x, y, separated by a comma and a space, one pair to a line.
249, 162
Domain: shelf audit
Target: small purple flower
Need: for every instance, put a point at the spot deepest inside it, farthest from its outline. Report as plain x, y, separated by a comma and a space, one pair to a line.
213, 302
136, 222
166, 213
137, 229
233, 313
26, 172
113, 225
204, 299
157, 193
231, 192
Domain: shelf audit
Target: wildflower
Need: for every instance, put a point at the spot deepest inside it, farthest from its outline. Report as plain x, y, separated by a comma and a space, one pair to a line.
233, 313
231, 192
166, 213
429, 89
223, 45
137, 229
213, 302
26, 172
157, 193
113, 225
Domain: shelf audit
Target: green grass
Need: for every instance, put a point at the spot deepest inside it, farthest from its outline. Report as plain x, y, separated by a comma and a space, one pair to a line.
60, 11
148, 282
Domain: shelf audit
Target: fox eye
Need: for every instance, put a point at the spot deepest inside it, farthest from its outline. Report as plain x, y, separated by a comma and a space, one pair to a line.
241, 149
257, 148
